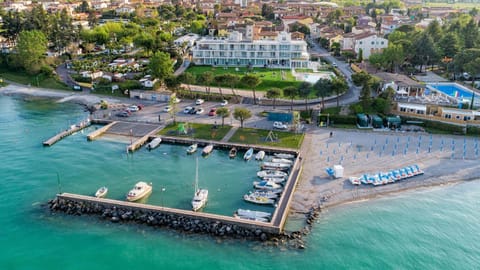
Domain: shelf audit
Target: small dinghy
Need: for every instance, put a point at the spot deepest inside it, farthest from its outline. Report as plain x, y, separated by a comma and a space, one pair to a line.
101, 192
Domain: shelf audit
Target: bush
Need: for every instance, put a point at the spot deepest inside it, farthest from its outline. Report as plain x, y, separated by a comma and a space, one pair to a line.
472, 130
343, 119
437, 126
79, 78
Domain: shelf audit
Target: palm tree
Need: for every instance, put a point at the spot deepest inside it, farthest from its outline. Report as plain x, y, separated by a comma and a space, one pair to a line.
274, 93
241, 114
290, 92
224, 113
251, 81
304, 90
322, 89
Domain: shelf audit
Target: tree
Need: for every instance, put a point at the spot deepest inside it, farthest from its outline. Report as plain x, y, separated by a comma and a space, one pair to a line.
224, 113
449, 45
377, 60
161, 65
470, 34
251, 81
232, 80
31, 47
323, 87
393, 56
304, 90
188, 79
206, 79
274, 93
290, 92
241, 114
339, 86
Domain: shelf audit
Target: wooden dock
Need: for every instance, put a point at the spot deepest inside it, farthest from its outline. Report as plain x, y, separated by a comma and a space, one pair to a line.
72, 129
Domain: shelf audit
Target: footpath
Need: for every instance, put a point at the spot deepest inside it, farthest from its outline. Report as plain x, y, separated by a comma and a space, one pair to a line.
230, 133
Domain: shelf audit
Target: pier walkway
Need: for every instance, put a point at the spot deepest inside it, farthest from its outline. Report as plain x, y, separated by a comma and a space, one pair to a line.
72, 129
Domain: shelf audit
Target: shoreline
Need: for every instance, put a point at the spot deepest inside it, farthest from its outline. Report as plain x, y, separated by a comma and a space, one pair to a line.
359, 152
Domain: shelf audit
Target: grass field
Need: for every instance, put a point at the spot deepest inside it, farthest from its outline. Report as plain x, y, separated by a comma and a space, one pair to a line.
259, 136
197, 131
26, 79
279, 78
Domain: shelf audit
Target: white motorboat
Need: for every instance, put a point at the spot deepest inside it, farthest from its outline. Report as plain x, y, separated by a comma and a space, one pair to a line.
271, 174
276, 180
283, 155
258, 199
139, 191
248, 155
200, 196
260, 155
233, 152
282, 160
266, 185
265, 193
253, 215
192, 148
275, 166
154, 143
207, 150
101, 192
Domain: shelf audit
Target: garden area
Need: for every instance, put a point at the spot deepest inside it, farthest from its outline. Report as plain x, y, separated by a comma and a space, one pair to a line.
269, 78
261, 137
40, 80
196, 131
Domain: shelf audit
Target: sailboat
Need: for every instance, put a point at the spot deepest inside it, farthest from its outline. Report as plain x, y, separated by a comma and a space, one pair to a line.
201, 195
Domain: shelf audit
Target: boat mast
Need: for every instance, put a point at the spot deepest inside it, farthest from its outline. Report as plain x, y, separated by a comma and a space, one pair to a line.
196, 174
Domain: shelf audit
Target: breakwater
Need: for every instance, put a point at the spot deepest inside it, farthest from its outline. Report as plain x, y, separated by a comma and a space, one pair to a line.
182, 220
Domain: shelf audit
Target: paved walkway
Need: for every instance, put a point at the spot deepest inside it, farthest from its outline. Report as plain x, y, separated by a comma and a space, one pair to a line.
230, 134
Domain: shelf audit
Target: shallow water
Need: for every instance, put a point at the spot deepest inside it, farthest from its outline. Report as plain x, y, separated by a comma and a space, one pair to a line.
426, 229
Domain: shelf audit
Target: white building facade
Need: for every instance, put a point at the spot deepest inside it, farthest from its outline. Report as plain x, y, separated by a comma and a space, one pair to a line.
282, 52
370, 44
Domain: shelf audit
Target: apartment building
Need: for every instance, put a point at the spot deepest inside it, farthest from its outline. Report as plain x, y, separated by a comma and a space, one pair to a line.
237, 50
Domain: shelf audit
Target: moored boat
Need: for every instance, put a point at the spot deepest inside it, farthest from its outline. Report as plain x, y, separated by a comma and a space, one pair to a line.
233, 152
139, 191
200, 196
258, 199
268, 185
101, 192
260, 155
192, 148
276, 180
275, 166
248, 155
207, 150
154, 143
283, 155
265, 193
282, 160
271, 174
252, 215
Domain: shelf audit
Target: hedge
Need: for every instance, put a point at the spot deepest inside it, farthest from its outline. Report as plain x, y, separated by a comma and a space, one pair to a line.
343, 119
429, 124
473, 130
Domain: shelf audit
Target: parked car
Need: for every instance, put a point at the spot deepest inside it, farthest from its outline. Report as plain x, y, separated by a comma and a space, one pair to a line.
279, 125
193, 110
224, 103
123, 114
187, 109
167, 108
200, 111
199, 101
213, 112
133, 108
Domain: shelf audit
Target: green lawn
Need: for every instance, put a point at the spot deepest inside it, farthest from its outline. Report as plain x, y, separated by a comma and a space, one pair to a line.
258, 136
39, 81
198, 131
269, 77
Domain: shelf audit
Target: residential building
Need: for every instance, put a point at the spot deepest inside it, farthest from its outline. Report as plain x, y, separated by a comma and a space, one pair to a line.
282, 52
369, 43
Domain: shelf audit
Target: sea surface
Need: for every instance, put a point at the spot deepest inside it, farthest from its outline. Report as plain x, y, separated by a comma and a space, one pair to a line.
436, 228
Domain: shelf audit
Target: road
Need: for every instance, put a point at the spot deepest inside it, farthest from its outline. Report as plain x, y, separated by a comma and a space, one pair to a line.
353, 92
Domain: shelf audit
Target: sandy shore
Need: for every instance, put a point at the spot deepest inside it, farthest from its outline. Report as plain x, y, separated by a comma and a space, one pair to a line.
445, 159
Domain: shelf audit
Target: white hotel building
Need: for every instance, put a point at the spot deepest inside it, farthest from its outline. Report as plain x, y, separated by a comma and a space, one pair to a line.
281, 52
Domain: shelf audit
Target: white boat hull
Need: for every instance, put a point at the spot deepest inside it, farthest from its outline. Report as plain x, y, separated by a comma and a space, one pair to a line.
154, 143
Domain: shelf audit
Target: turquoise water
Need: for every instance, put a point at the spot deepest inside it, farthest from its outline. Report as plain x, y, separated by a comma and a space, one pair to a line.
452, 89
429, 229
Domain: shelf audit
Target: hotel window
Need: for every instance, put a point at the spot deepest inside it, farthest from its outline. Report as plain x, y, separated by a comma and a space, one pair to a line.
232, 47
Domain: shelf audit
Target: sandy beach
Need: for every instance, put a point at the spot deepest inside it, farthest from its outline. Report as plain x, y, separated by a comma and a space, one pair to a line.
444, 159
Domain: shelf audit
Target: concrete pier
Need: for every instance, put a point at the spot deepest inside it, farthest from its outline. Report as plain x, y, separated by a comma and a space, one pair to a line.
92, 136
72, 129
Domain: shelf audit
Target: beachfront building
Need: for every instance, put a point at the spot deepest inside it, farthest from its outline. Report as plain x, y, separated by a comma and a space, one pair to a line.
237, 50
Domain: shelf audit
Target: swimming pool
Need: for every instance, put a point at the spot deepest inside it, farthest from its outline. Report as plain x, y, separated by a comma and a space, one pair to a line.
451, 89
